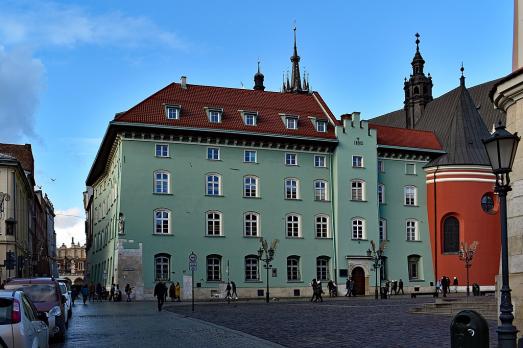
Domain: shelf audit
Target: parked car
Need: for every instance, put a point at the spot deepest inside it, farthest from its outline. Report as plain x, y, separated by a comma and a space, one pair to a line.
65, 286
21, 325
67, 304
47, 298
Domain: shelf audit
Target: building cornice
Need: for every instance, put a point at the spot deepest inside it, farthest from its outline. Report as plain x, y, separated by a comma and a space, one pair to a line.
508, 91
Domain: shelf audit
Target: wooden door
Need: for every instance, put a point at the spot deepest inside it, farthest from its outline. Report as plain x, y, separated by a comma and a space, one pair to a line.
358, 275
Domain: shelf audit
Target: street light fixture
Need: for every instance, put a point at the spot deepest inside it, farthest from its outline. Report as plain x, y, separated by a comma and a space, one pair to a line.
501, 149
269, 256
466, 253
376, 256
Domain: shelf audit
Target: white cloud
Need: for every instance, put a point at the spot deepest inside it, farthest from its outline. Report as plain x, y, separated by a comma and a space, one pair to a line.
21, 81
44, 24
69, 223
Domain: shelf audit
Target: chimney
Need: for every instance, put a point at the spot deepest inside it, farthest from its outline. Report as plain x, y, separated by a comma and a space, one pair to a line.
183, 82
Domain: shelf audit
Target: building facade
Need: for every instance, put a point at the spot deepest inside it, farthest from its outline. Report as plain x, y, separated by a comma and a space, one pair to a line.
71, 262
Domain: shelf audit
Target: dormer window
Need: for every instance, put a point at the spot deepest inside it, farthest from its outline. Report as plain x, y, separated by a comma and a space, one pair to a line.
172, 112
214, 115
321, 126
291, 122
250, 119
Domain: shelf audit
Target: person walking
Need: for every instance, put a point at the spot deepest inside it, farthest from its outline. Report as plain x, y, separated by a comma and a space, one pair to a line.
400, 287
99, 292
228, 294
177, 292
352, 287
444, 285
85, 293
455, 283
330, 287
319, 291
92, 291
313, 286
128, 290
111, 293
172, 292
347, 287
234, 294
160, 291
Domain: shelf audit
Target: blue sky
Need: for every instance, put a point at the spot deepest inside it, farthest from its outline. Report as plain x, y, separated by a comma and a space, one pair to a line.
67, 67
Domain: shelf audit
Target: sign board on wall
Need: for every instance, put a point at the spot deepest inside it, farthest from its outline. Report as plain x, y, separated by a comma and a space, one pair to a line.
187, 287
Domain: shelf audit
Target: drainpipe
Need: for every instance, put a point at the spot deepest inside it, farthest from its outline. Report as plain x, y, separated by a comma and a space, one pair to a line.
435, 228
331, 169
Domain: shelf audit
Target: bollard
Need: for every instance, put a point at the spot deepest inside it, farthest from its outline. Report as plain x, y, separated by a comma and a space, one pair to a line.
469, 330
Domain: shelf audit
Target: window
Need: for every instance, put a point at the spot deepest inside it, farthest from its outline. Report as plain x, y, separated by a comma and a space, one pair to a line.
293, 268
322, 268
249, 156
320, 190
487, 203
322, 226
291, 122
291, 188
410, 169
172, 112
357, 161
250, 186
412, 230
213, 153
214, 268
214, 223
162, 150
161, 266
251, 268
358, 229
215, 116
161, 221
293, 226
251, 224
320, 161
381, 193
381, 166
358, 190
291, 159
383, 229
321, 126
250, 119
451, 235
161, 182
411, 195
214, 182
413, 262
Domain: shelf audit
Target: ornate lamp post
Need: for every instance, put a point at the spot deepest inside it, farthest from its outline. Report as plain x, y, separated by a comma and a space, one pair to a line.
466, 253
501, 149
376, 256
269, 256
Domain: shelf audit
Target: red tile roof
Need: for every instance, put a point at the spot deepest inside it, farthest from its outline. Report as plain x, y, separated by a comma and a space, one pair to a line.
22, 153
403, 137
269, 105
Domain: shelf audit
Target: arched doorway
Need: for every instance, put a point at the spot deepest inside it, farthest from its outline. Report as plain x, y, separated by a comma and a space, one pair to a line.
358, 275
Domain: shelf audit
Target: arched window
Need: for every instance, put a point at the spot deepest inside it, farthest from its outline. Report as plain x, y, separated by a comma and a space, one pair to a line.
251, 267
293, 225
320, 190
214, 223
410, 195
162, 266
358, 228
451, 235
322, 268
161, 182
416, 89
251, 224
250, 186
292, 188
293, 268
414, 267
214, 183
214, 268
162, 221
357, 190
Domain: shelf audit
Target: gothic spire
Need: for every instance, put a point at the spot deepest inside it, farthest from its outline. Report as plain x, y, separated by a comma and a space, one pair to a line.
417, 62
462, 77
295, 84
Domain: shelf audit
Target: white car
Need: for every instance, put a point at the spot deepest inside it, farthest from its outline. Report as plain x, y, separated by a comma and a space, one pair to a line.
68, 304
68, 295
20, 325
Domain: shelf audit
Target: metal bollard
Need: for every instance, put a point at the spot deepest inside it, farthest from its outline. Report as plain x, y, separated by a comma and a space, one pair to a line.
469, 330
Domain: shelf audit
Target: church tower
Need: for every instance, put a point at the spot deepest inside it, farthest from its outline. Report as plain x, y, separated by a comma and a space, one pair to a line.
295, 85
418, 89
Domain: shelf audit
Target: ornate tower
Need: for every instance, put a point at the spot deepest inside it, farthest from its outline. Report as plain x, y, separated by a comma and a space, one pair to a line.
418, 89
258, 80
295, 84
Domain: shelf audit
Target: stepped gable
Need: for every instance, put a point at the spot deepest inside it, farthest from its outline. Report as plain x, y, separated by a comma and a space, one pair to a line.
270, 105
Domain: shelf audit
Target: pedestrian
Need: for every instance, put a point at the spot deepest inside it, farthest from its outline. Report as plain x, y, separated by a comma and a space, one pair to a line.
85, 293
160, 291
352, 287
118, 293
401, 287
438, 287
319, 291
347, 287
111, 293
128, 292
234, 294
99, 292
92, 291
394, 287
74, 293
172, 292
228, 294
455, 283
177, 292
330, 287
444, 285
314, 285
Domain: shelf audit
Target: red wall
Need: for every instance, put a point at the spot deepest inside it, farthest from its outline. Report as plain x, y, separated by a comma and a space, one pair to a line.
462, 199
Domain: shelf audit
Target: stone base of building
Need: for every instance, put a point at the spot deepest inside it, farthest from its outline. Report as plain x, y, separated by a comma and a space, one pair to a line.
516, 285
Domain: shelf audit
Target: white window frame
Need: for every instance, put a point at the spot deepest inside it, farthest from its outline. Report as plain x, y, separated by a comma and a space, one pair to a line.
246, 160
412, 230
321, 126
248, 116
210, 183
161, 147
251, 227
211, 222
321, 190
293, 228
248, 186
214, 268
410, 165
318, 162
252, 268
211, 151
322, 226
291, 159
293, 268
357, 161
381, 166
410, 196
355, 190
414, 260
172, 112
323, 268
162, 262
381, 193
358, 229
382, 228
215, 116
160, 221
291, 122
162, 182
288, 187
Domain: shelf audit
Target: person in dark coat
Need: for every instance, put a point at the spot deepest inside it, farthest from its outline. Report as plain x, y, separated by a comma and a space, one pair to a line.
160, 291
314, 286
330, 286
455, 283
319, 291
172, 292
400, 285
347, 286
234, 294
444, 285
99, 292
85, 293
352, 287
228, 294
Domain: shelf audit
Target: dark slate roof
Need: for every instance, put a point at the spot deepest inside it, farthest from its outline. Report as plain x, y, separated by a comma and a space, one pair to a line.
460, 119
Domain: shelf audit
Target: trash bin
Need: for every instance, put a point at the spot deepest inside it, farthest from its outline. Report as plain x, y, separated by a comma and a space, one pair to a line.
469, 329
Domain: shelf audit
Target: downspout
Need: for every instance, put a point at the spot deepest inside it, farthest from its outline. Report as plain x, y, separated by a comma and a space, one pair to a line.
435, 228
331, 169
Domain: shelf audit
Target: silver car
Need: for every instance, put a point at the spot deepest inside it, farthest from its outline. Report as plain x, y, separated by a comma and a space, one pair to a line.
20, 325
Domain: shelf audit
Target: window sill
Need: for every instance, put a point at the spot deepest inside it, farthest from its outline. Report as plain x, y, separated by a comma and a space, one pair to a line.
251, 197
414, 174
414, 241
293, 199
321, 167
215, 236
254, 237
411, 205
163, 234
416, 280
210, 159
353, 167
218, 196
162, 156
253, 281
288, 237
291, 165
250, 162
327, 238
214, 281
358, 200
295, 281
322, 200
162, 194
359, 240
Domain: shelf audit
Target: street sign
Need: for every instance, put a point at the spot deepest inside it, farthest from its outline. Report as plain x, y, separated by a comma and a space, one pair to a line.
192, 257
192, 267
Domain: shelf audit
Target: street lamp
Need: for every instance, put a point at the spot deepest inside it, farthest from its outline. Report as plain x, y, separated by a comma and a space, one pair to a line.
376, 256
501, 149
269, 256
466, 253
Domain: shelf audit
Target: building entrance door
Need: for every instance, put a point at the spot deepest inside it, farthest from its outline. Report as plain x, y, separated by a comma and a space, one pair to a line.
358, 275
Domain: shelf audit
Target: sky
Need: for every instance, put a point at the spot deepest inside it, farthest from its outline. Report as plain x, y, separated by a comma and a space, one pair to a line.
66, 67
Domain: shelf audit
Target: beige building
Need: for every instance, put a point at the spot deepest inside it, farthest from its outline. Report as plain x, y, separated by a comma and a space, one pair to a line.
72, 262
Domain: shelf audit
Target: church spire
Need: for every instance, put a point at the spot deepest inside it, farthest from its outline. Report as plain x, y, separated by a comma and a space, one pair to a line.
295, 84
258, 79
462, 77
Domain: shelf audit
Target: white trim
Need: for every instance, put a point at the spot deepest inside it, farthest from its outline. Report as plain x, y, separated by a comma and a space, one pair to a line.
220, 220
400, 159
300, 232
258, 227
295, 158
161, 144
298, 196
471, 167
431, 175
462, 179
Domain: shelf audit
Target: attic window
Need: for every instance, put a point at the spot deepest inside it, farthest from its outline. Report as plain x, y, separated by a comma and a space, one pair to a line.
250, 119
172, 112
214, 115
321, 126
291, 122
